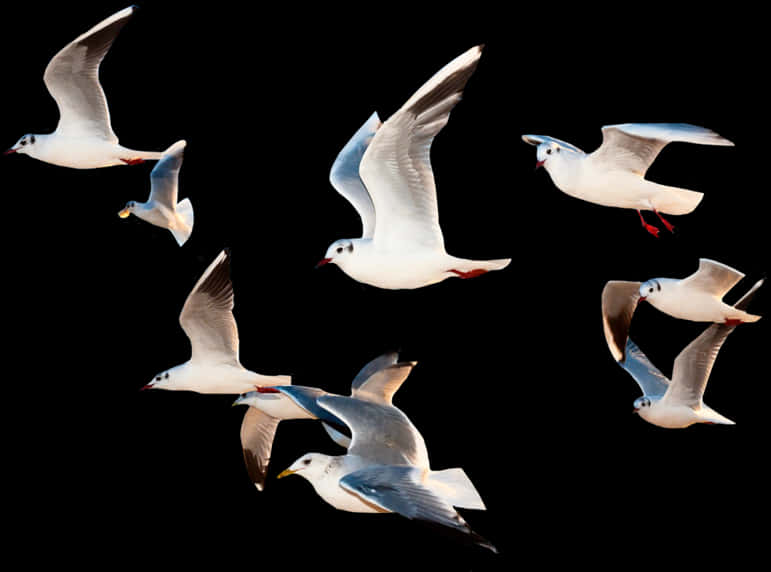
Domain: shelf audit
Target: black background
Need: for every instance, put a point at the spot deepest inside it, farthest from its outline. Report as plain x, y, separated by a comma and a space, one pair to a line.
514, 383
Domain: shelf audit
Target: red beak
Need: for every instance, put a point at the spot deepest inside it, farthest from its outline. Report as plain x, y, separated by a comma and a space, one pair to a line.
148, 386
539, 163
641, 299
323, 261
9, 151
267, 390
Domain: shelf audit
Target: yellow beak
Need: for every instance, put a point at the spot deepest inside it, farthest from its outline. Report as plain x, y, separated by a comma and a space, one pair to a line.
124, 213
285, 473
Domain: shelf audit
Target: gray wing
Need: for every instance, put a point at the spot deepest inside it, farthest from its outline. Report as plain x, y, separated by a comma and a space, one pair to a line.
379, 433
380, 386
207, 316
345, 178
399, 490
694, 364
650, 380
72, 79
380, 362
164, 177
396, 167
713, 277
306, 397
619, 301
257, 432
634, 146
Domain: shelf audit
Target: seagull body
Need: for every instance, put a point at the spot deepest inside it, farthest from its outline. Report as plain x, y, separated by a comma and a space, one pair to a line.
697, 298
376, 382
207, 319
162, 208
679, 403
614, 174
385, 172
83, 138
387, 469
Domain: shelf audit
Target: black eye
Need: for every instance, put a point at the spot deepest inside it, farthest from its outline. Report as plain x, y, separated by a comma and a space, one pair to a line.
32, 139
548, 151
306, 462
167, 375
339, 249
23, 141
158, 378
650, 290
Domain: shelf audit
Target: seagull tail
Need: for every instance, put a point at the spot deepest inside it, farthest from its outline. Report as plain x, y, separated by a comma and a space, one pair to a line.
675, 201
455, 487
185, 220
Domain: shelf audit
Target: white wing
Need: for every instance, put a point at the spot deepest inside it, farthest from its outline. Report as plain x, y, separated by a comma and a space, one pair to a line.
72, 79
164, 177
396, 167
345, 178
713, 277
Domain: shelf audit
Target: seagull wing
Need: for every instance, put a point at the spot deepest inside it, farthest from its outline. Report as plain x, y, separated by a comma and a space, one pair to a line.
380, 385
379, 433
693, 365
634, 146
713, 277
257, 432
619, 301
345, 178
72, 79
396, 167
650, 380
164, 177
207, 316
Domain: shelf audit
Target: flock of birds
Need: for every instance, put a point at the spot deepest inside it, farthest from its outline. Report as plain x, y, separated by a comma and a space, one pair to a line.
384, 171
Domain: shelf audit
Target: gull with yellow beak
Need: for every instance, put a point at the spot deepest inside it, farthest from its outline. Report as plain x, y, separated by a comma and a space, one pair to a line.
162, 208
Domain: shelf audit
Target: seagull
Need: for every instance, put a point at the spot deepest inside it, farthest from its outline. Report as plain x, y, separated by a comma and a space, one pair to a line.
614, 174
83, 138
386, 469
376, 382
162, 209
207, 319
385, 172
698, 298
679, 403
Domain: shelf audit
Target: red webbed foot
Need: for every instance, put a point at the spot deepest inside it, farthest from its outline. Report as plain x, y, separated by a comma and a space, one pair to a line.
135, 161
649, 227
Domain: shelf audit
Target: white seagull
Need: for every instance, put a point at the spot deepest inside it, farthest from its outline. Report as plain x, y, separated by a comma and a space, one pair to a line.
162, 208
614, 174
207, 319
385, 172
698, 298
377, 381
679, 403
386, 469
83, 138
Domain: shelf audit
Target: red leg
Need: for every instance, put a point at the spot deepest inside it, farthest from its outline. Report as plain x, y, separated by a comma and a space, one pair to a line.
669, 226
133, 161
649, 227
470, 274
733, 322
263, 389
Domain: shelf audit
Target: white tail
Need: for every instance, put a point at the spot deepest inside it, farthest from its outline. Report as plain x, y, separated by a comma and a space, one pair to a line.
185, 218
455, 487
675, 201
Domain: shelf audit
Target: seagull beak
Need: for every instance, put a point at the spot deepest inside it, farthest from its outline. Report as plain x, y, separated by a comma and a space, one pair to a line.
11, 150
323, 261
539, 163
124, 213
641, 299
285, 473
148, 386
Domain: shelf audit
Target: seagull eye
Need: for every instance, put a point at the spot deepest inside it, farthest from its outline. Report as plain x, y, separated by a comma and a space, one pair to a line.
32, 139
158, 378
306, 462
23, 142
548, 151
650, 290
167, 375
339, 249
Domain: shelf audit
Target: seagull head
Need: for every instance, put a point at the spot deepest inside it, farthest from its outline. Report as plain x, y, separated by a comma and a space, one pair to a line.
128, 209
649, 290
163, 380
641, 403
25, 145
309, 466
337, 252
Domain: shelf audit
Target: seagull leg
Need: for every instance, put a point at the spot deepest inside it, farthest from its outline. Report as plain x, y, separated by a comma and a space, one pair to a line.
470, 274
667, 224
649, 227
733, 322
132, 161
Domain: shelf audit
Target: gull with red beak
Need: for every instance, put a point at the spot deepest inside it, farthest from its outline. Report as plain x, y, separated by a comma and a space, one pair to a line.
83, 138
385, 172
698, 298
614, 174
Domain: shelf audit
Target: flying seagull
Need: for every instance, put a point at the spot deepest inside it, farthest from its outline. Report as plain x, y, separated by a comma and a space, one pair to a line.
162, 208
698, 298
679, 403
385, 172
614, 174
377, 381
83, 138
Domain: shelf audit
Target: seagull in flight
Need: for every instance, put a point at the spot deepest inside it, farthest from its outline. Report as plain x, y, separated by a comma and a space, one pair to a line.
614, 174
162, 208
83, 138
385, 172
